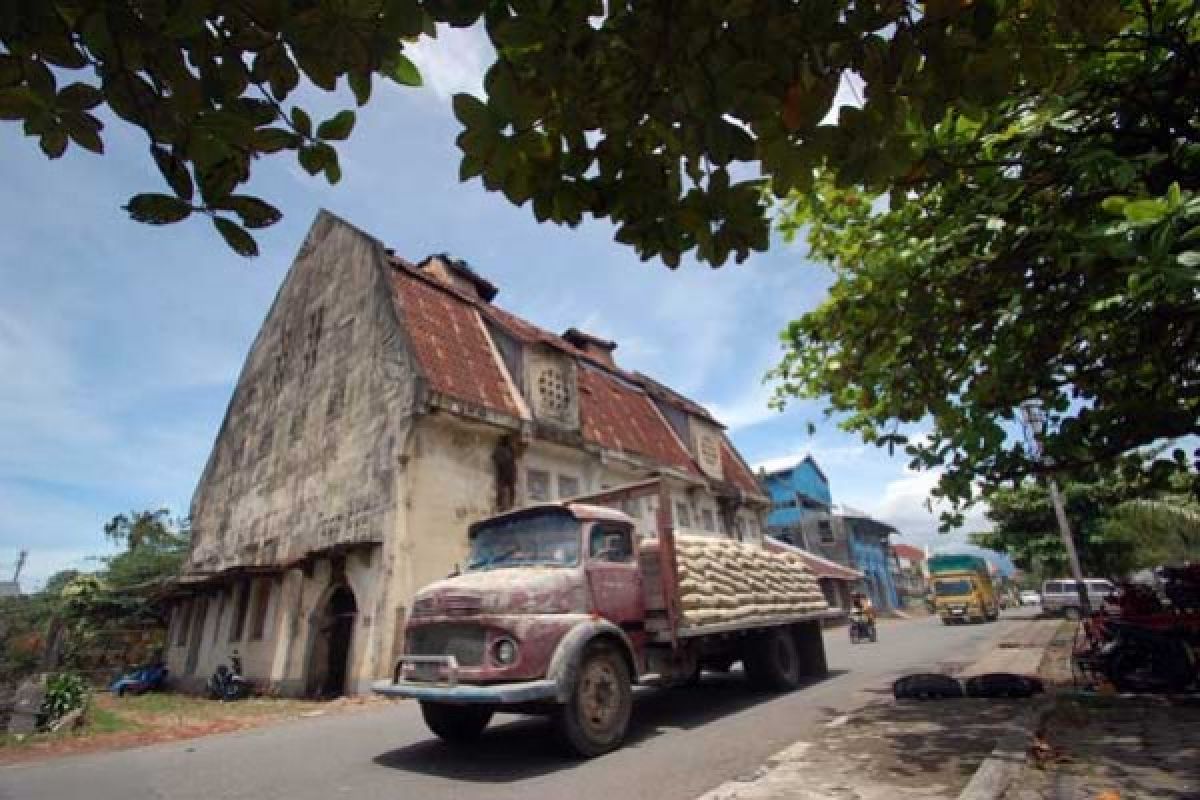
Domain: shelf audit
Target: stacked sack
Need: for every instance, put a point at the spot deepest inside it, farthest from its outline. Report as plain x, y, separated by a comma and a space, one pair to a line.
721, 580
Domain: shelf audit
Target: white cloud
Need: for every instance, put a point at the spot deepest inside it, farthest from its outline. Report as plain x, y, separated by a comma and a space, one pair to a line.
455, 61
906, 504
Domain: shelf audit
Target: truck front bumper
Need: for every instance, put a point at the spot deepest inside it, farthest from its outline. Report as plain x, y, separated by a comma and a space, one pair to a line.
462, 694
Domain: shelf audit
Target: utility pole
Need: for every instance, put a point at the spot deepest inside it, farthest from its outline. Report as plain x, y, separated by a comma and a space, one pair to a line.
20, 565
1034, 419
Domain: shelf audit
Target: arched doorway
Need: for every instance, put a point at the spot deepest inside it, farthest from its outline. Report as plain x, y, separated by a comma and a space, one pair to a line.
334, 638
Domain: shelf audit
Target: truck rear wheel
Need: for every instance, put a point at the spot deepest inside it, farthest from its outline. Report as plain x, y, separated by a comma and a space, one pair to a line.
772, 662
596, 717
456, 724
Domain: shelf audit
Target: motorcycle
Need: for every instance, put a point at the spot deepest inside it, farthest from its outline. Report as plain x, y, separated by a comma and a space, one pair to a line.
862, 627
227, 684
1138, 658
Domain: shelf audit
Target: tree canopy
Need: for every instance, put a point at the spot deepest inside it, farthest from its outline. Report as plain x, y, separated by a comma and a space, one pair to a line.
663, 117
1046, 249
1122, 521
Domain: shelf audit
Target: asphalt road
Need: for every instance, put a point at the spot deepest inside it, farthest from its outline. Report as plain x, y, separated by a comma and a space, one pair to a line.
682, 742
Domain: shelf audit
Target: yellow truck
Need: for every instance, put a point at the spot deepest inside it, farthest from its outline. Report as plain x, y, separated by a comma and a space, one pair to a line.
963, 589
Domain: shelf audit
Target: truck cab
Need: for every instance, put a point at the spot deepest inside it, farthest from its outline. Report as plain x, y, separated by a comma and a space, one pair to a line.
964, 596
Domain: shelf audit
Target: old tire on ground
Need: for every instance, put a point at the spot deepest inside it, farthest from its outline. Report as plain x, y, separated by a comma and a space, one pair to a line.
594, 720
456, 724
772, 662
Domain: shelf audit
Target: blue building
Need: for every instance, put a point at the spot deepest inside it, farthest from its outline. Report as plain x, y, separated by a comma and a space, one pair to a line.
803, 514
797, 493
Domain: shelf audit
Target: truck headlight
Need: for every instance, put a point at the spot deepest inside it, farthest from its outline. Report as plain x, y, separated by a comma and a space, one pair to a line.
504, 651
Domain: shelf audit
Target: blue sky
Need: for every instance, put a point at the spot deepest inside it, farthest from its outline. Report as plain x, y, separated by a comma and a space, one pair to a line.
120, 342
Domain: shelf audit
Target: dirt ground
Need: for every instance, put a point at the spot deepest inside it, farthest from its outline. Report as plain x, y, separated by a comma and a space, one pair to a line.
115, 723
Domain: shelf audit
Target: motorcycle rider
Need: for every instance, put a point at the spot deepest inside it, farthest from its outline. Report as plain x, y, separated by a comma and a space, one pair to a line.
863, 604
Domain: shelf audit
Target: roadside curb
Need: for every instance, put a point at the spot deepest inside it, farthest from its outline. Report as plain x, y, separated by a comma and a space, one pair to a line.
1000, 769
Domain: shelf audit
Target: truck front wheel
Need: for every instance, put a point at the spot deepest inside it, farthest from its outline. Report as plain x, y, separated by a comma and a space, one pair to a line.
595, 718
456, 724
772, 662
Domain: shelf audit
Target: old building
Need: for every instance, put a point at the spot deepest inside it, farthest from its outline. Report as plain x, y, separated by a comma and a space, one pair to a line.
384, 406
797, 492
857, 540
909, 574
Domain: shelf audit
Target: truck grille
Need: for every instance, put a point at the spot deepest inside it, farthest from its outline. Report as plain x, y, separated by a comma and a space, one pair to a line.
464, 642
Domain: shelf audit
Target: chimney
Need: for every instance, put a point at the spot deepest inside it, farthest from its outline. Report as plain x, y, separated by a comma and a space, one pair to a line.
455, 272
594, 346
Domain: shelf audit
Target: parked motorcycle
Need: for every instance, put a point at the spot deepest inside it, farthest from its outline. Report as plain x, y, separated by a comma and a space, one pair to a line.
227, 683
862, 627
1137, 658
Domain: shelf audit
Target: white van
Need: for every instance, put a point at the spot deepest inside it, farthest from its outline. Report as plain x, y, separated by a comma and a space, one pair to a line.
1062, 596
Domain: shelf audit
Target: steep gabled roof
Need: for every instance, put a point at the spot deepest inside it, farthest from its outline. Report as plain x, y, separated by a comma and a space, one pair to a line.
617, 411
450, 343
619, 416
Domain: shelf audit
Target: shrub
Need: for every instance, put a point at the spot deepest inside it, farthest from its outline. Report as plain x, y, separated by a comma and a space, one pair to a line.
65, 692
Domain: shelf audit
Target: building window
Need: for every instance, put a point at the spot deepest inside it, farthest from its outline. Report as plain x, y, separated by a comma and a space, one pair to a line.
258, 616
312, 341
825, 531
267, 440
553, 397
537, 486
568, 486
337, 399
182, 620
706, 520
279, 374
683, 515
239, 613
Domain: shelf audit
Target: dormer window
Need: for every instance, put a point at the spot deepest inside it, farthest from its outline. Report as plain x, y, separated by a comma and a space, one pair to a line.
554, 396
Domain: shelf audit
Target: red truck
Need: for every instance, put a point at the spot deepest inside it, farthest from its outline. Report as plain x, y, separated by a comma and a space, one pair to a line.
560, 610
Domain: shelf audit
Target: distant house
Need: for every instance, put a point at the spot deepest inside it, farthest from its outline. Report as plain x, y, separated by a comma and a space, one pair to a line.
855, 539
797, 492
10, 589
908, 573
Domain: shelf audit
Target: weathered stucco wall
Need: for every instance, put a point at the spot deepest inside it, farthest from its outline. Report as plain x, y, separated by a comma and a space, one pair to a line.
305, 457
304, 471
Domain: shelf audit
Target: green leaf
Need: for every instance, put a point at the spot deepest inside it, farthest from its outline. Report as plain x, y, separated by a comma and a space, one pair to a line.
360, 84
54, 142
312, 158
336, 127
272, 140
1148, 210
80, 97
333, 170
403, 71
254, 213
1115, 204
471, 111
175, 171
301, 121
157, 209
236, 237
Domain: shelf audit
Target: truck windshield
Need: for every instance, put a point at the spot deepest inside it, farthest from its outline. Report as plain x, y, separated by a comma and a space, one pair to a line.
550, 540
952, 588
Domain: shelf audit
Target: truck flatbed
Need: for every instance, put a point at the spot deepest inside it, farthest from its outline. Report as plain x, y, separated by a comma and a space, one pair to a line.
748, 623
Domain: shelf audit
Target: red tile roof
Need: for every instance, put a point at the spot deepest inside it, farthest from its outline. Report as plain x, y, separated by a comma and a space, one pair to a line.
621, 417
451, 346
908, 551
736, 471
615, 408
